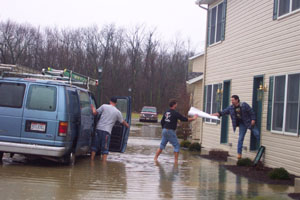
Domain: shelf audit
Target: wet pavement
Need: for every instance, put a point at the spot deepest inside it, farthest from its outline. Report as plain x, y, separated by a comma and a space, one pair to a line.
131, 175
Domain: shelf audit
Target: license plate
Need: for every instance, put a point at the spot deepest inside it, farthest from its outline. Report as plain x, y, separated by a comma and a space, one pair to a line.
37, 127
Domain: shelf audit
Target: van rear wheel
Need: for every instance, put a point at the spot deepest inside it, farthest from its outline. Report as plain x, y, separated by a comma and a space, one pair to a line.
1, 156
70, 159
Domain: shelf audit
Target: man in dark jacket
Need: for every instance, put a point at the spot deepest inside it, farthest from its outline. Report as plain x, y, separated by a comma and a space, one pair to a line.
243, 116
169, 124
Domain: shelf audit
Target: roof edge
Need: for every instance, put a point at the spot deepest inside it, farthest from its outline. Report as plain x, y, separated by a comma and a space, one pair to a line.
197, 55
194, 80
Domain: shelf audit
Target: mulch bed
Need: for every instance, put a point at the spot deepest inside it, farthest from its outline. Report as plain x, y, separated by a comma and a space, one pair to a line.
295, 196
258, 173
216, 155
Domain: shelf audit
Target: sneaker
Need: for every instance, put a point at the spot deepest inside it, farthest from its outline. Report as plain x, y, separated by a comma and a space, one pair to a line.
239, 156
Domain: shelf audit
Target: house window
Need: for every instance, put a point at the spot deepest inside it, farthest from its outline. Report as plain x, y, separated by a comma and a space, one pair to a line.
286, 104
211, 105
287, 6
216, 25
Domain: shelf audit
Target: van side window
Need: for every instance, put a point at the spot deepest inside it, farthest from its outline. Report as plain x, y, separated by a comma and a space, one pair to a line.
72, 101
85, 103
11, 94
41, 97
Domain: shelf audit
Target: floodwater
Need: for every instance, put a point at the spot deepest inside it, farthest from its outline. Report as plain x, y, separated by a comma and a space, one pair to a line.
131, 175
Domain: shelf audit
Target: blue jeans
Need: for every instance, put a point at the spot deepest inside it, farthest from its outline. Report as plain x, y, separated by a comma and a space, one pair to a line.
242, 133
101, 142
169, 135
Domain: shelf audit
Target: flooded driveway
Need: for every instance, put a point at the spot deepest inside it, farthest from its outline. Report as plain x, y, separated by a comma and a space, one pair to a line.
132, 175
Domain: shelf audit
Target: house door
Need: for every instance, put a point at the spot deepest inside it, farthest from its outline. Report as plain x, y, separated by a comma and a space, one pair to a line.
225, 104
257, 99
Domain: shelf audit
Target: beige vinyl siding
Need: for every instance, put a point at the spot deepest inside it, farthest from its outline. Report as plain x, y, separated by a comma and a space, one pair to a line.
255, 44
198, 64
198, 103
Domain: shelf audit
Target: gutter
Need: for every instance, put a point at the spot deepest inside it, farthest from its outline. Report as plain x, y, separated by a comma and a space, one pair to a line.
204, 69
198, 3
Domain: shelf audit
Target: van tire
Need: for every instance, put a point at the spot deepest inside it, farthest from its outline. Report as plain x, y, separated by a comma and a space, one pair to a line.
1, 156
70, 159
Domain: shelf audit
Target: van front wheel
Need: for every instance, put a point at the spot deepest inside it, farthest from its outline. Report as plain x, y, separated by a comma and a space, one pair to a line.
1, 156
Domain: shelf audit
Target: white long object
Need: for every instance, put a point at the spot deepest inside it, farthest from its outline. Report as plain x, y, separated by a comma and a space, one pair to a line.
194, 111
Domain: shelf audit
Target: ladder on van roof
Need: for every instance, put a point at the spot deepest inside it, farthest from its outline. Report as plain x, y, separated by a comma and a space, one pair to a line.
66, 76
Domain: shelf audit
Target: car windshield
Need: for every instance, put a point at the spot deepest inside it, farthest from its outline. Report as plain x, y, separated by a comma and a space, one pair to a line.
148, 109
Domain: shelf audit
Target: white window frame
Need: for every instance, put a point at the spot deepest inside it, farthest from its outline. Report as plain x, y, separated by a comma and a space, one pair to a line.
210, 121
283, 132
290, 10
216, 24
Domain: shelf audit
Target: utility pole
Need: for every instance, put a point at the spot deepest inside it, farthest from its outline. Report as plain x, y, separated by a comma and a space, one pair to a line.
99, 83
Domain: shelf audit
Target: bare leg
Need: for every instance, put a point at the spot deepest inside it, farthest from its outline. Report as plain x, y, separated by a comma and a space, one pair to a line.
239, 156
176, 157
158, 152
93, 155
104, 157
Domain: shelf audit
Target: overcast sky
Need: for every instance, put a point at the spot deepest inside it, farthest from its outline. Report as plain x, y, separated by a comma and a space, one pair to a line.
172, 19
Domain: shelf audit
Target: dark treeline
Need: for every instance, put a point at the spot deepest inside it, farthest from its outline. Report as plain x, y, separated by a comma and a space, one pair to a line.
134, 62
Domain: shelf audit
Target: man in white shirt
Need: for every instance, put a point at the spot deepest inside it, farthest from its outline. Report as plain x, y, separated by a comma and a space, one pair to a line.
109, 115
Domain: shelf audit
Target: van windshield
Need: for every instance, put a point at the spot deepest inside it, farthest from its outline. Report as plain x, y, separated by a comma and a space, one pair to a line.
41, 97
11, 94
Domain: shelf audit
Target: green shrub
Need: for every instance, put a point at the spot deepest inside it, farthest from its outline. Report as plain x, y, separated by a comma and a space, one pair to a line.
279, 173
195, 146
185, 144
244, 162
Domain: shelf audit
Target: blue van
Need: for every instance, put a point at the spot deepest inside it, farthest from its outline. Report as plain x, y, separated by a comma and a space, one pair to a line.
52, 119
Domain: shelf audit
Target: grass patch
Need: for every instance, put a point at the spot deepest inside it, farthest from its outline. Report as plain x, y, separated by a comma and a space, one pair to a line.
135, 115
138, 124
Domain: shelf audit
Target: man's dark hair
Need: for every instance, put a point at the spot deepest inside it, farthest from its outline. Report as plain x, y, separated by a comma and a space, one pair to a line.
113, 99
236, 97
172, 102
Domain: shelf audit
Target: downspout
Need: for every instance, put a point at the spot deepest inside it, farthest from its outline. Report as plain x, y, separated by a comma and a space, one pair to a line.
204, 69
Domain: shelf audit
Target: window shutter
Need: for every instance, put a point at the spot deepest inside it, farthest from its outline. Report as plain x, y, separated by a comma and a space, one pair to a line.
204, 99
223, 20
275, 9
270, 98
208, 26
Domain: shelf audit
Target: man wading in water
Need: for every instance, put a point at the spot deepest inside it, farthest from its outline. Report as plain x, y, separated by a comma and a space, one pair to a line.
169, 125
109, 116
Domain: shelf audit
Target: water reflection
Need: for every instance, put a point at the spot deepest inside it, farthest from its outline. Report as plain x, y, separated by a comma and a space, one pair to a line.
132, 175
166, 179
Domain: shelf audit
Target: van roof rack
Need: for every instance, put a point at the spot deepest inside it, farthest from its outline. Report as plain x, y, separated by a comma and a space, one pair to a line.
66, 76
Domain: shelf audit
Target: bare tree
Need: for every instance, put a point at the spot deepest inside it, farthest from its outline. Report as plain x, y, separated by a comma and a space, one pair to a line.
136, 59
